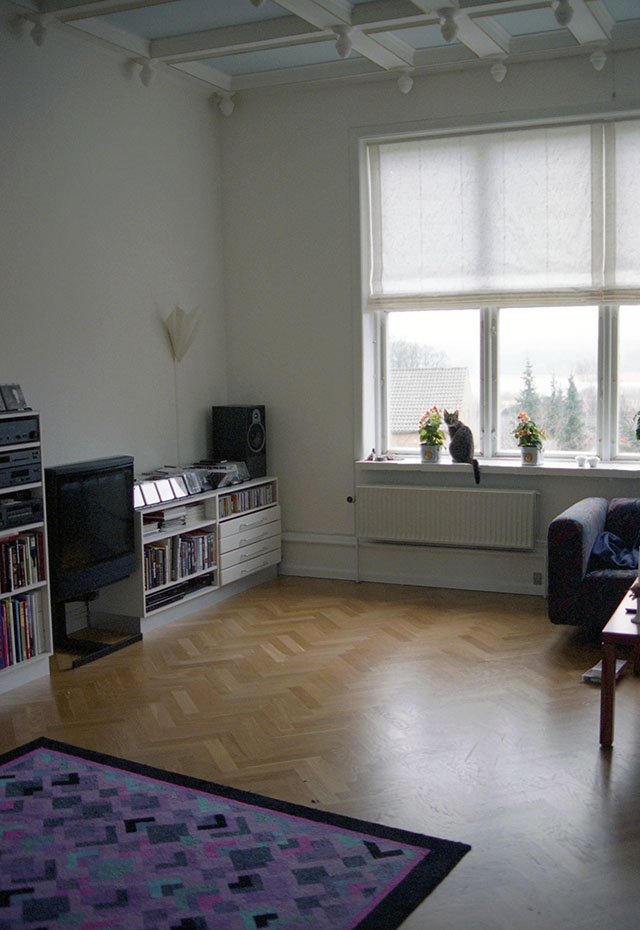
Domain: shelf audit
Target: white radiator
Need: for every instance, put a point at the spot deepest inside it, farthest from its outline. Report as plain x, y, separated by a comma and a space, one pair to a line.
468, 518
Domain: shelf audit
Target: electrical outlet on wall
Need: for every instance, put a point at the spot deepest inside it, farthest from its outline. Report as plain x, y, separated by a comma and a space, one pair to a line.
537, 578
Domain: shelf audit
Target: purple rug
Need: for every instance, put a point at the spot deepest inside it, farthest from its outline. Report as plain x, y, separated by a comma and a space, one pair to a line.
92, 842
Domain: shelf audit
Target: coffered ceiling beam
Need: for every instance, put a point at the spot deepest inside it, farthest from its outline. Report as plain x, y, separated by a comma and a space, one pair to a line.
584, 26
391, 13
388, 52
469, 32
268, 33
320, 13
65, 10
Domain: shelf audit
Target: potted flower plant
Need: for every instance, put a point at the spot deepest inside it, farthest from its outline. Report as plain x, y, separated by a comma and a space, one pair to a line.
530, 437
431, 434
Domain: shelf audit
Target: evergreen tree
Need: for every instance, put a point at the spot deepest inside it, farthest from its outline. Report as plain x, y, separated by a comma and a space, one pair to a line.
554, 410
573, 434
528, 399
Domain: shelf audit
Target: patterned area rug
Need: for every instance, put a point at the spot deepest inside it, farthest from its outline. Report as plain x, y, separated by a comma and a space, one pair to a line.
93, 842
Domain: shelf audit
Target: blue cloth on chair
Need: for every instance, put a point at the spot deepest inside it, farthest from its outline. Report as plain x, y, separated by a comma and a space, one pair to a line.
609, 551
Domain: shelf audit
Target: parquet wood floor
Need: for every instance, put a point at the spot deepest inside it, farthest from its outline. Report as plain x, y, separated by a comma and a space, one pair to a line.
455, 713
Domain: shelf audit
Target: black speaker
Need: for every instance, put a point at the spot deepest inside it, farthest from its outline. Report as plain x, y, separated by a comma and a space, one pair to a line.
240, 435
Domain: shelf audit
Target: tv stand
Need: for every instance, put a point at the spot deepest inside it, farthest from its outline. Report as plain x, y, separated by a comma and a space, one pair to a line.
99, 637
89, 650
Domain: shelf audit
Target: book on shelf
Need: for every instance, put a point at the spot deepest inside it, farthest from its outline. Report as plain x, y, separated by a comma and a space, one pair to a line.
21, 560
20, 638
237, 502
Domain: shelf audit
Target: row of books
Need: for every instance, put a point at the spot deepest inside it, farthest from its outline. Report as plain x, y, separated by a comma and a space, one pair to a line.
21, 634
21, 561
178, 557
249, 499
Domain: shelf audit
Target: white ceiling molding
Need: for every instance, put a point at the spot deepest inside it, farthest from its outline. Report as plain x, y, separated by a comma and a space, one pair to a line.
232, 45
584, 26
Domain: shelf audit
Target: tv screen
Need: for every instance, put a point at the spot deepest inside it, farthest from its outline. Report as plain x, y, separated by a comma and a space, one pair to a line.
90, 525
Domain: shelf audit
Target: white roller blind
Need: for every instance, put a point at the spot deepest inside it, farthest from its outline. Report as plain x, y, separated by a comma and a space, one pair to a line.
515, 212
626, 246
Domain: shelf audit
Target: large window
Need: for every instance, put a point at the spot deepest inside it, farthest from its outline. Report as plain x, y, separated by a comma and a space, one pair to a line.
504, 275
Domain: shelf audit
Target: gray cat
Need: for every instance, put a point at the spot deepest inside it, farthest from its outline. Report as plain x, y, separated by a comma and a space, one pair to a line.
461, 445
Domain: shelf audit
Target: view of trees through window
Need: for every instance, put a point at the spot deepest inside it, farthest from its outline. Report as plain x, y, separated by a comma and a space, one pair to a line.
548, 367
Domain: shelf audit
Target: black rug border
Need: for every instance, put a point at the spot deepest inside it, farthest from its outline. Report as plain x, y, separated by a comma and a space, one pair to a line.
423, 878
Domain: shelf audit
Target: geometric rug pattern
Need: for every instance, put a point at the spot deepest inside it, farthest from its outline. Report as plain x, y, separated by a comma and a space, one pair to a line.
93, 842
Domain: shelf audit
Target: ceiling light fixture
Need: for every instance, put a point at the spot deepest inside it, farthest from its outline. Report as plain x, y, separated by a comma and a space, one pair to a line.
225, 103
498, 71
563, 12
448, 24
405, 81
38, 32
343, 40
598, 59
147, 70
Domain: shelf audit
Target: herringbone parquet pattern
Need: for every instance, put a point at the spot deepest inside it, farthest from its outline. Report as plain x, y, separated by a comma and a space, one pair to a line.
459, 714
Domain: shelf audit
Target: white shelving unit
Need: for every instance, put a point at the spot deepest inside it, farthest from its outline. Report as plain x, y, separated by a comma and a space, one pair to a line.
189, 547
25, 611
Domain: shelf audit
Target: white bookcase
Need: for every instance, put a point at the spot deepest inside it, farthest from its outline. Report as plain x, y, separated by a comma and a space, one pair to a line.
25, 611
190, 547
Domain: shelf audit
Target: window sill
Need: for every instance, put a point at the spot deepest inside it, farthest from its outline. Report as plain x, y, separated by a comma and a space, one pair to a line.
506, 466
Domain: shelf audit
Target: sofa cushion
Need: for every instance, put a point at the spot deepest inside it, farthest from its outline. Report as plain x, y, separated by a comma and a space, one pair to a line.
623, 519
611, 551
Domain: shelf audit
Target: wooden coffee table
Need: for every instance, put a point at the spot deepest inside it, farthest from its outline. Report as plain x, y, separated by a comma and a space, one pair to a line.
619, 630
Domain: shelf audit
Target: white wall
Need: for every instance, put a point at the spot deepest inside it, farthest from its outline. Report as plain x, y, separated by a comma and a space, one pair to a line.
291, 269
110, 218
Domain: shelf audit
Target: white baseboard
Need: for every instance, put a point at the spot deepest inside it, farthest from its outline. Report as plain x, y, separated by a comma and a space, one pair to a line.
344, 558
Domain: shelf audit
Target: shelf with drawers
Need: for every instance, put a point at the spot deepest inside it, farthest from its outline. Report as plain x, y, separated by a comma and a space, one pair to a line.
249, 542
188, 547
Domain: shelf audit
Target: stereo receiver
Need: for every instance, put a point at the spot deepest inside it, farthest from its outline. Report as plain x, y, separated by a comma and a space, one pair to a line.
18, 513
22, 429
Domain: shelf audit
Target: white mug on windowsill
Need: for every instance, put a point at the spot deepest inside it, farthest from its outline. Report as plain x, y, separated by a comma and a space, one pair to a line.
581, 461
594, 461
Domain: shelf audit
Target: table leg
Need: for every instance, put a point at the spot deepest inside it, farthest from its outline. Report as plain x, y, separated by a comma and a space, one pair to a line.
607, 693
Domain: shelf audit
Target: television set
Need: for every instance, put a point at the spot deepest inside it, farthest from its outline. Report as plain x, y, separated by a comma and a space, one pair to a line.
90, 529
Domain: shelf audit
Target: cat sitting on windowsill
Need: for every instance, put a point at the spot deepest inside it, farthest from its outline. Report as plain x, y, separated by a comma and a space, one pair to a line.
461, 445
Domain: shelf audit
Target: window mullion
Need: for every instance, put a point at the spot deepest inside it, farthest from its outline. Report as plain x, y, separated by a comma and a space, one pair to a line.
489, 381
608, 382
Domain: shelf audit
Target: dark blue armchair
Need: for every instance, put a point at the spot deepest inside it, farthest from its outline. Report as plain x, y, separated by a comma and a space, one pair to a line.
592, 560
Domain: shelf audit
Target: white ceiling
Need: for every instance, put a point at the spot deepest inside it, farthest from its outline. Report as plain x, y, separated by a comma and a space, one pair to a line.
232, 45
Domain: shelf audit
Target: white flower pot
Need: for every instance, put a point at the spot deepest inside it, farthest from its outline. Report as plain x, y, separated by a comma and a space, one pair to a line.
531, 455
429, 454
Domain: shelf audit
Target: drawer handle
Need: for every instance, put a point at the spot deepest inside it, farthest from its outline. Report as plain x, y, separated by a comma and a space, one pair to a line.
245, 542
250, 571
247, 526
243, 558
